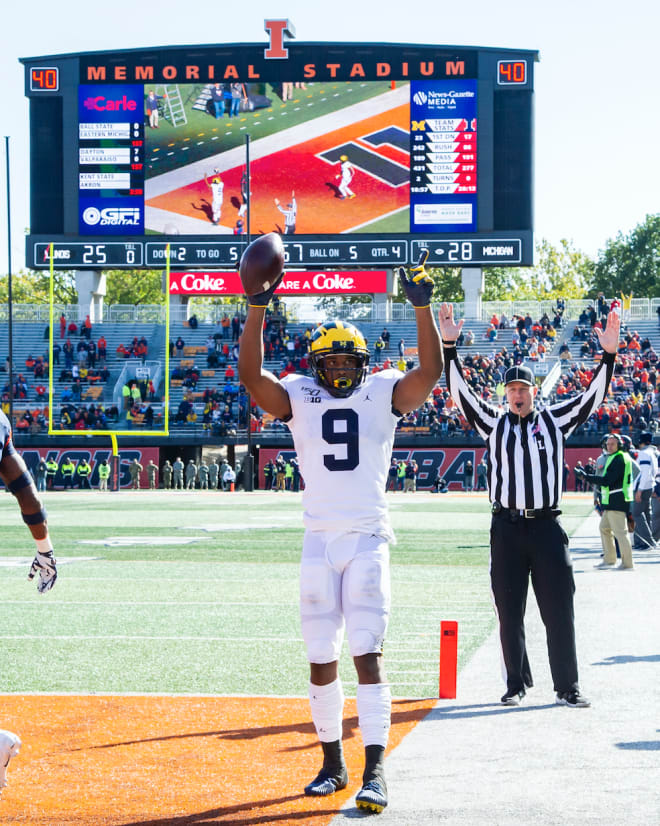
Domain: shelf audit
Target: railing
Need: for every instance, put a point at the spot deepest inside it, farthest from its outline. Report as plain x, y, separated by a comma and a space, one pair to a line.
131, 370
640, 308
306, 311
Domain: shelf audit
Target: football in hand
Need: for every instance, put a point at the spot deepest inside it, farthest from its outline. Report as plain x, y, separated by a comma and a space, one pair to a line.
262, 263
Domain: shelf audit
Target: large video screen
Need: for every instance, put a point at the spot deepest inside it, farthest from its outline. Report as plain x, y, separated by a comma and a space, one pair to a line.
351, 170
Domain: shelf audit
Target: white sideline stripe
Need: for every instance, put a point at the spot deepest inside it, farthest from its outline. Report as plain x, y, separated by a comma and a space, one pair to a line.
156, 218
173, 695
379, 218
150, 694
63, 638
220, 603
19, 561
422, 635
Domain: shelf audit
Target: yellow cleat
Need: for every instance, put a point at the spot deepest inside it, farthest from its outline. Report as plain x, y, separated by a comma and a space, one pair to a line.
372, 796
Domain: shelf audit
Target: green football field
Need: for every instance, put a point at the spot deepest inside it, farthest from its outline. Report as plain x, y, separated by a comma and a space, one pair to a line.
197, 593
203, 136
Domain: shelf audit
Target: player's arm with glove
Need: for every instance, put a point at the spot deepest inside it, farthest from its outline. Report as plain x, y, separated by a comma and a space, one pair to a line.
264, 387
263, 299
19, 482
414, 388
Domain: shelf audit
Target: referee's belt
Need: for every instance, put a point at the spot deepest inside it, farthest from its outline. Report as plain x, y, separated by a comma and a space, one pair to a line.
525, 513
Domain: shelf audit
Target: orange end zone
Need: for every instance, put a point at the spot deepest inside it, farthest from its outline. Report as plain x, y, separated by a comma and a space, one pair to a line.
299, 168
175, 761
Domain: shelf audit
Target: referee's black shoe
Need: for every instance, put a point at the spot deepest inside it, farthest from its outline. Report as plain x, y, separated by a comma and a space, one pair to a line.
513, 698
572, 699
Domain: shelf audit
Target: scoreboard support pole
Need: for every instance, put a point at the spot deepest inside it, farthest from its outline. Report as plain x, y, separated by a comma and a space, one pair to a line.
248, 464
10, 317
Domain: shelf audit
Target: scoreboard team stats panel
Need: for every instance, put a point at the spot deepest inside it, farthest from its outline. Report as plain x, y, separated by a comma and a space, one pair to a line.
359, 154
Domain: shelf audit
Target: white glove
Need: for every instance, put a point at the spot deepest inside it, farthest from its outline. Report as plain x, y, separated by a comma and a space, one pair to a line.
45, 566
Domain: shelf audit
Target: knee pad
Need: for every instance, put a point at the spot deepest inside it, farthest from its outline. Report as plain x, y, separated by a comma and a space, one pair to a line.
316, 588
323, 641
369, 584
362, 641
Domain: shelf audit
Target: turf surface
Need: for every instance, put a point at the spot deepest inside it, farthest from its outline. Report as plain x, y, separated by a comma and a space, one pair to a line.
197, 593
204, 136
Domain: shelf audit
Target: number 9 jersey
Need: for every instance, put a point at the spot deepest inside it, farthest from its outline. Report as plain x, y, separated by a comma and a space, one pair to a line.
344, 448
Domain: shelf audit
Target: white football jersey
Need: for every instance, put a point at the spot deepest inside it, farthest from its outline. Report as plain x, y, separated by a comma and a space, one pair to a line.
344, 448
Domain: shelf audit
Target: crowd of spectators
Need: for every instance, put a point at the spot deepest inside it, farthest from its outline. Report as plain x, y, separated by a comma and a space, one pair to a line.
137, 349
222, 409
633, 399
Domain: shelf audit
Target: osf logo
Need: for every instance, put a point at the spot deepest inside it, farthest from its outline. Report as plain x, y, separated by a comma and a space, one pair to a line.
99, 103
111, 216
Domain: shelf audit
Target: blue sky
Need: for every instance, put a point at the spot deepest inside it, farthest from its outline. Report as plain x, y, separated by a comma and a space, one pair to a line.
597, 103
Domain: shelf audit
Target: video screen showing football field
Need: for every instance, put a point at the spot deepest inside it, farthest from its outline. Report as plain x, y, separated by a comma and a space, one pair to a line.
295, 150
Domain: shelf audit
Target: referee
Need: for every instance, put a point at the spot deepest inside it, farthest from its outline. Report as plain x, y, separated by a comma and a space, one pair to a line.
290, 214
525, 463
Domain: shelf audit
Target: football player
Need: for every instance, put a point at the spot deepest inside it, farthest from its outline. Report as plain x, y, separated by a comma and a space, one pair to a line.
347, 171
18, 481
217, 188
343, 421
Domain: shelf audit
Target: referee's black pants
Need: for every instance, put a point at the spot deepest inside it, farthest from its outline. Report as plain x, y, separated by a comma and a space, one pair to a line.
520, 547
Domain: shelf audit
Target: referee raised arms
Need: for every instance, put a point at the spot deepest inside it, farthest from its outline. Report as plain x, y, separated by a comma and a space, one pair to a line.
525, 463
289, 213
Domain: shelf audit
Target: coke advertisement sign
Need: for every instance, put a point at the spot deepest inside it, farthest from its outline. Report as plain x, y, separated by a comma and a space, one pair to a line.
354, 282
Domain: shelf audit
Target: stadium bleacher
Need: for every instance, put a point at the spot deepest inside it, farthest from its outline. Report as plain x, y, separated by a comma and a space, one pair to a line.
29, 340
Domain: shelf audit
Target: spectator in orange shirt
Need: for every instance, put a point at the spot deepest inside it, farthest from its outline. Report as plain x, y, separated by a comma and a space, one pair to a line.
225, 323
101, 347
86, 328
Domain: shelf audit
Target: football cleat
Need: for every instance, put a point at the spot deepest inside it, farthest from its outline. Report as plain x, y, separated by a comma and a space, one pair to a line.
372, 796
9, 747
328, 781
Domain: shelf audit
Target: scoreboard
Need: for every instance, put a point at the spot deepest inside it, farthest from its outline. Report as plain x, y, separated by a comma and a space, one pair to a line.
359, 154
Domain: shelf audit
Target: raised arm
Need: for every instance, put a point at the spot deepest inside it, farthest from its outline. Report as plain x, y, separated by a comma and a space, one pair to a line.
264, 387
414, 388
575, 411
262, 265
481, 415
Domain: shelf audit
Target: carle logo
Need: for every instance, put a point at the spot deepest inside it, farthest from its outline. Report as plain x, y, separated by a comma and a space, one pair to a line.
99, 103
109, 103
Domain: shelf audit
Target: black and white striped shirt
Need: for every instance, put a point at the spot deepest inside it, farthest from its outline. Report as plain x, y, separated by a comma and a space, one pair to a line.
289, 214
526, 455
